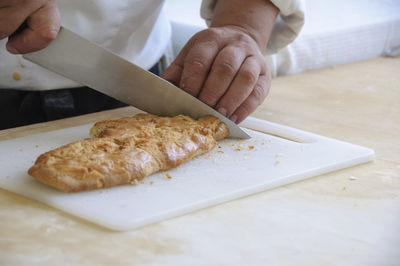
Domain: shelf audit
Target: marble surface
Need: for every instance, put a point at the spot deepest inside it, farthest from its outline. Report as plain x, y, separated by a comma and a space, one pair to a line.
349, 217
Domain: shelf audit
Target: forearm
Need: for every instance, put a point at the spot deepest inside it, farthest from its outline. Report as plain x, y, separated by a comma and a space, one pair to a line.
255, 17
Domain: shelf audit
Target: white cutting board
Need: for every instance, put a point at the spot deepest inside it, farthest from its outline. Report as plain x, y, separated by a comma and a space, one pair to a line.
281, 155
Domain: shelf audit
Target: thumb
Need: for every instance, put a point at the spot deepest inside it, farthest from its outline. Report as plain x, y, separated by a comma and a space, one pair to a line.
42, 27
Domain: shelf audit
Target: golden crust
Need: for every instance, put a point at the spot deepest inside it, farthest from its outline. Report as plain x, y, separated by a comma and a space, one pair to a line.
126, 150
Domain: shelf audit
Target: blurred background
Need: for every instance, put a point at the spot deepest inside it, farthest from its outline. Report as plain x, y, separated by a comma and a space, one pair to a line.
335, 32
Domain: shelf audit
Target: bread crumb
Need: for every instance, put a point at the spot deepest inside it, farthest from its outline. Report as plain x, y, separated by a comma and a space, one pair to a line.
251, 147
344, 188
352, 178
16, 76
134, 182
169, 175
262, 143
37, 146
220, 151
21, 150
151, 182
239, 148
219, 147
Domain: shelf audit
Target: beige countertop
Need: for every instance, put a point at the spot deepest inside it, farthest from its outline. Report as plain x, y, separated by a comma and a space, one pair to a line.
325, 220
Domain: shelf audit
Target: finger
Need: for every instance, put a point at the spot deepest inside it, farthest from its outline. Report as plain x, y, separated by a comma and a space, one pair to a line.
11, 18
173, 73
223, 71
196, 66
241, 86
257, 96
42, 27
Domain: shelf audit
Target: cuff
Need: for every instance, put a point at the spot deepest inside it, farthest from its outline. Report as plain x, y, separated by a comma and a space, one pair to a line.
287, 26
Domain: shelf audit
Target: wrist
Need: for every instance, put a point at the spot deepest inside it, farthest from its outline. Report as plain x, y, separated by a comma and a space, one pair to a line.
256, 18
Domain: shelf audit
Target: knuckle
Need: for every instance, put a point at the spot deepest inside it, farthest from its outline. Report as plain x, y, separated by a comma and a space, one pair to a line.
197, 64
210, 36
242, 38
211, 33
226, 69
249, 76
259, 92
210, 98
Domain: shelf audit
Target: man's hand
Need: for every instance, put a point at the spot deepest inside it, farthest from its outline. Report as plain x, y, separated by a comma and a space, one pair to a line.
30, 25
224, 65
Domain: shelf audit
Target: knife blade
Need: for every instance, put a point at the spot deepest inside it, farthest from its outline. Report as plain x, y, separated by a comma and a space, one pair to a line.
76, 58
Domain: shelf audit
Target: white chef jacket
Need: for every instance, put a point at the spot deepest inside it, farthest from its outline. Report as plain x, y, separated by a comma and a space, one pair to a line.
137, 30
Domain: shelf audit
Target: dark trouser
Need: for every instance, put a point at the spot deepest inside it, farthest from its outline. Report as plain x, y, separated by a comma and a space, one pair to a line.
19, 108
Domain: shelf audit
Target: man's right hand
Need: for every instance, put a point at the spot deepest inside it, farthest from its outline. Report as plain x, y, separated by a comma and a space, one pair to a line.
30, 25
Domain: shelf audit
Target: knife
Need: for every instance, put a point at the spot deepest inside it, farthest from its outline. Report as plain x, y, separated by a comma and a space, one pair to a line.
76, 58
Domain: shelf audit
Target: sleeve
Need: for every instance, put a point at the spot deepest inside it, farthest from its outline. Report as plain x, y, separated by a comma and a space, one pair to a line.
287, 26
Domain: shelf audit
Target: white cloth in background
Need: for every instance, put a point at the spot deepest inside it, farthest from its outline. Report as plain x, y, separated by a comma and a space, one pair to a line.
137, 30
339, 32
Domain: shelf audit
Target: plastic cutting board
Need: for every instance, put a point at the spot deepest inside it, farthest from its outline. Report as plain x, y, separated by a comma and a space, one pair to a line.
275, 155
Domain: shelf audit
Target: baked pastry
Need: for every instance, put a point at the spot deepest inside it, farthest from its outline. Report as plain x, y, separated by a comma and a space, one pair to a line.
126, 150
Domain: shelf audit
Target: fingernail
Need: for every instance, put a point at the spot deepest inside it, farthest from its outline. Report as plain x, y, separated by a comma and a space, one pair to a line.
12, 50
222, 111
233, 118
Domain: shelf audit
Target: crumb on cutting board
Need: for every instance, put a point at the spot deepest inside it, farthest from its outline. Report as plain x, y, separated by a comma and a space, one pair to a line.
169, 176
